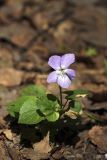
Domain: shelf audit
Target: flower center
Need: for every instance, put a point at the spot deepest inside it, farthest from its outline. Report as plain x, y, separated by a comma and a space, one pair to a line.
61, 72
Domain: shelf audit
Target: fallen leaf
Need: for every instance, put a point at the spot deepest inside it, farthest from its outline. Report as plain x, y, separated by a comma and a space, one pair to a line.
33, 155
81, 95
3, 152
71, 114
18, 33
8, 134
10, 77
98, 136
2, 122
43, 146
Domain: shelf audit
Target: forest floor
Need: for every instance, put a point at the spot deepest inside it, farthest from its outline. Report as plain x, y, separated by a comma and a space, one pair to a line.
30, 32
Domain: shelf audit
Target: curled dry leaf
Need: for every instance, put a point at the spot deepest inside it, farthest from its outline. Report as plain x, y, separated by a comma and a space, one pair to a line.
8, 134
43, 146
71, 114
98, 136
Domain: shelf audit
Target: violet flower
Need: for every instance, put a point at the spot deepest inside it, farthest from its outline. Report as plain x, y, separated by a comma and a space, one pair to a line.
62, 74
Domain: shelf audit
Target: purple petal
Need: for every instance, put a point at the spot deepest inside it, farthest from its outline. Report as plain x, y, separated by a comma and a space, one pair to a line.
67, 60
52, 77
54, 62
71, 73
64, 81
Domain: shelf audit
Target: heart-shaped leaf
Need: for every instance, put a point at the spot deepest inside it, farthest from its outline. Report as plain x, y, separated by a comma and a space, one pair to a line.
14, 107
37, 91
28, 113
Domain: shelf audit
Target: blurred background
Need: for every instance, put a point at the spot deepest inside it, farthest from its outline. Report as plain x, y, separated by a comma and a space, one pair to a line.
33, 30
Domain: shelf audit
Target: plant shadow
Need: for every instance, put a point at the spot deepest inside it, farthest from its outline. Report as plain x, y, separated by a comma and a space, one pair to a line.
63, 132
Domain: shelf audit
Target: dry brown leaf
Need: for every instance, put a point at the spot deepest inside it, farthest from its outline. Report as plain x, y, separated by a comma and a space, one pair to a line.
3, 152
71, 114
10, 77
8, 134
18, 33
98, 136
2, 122
33, 155
43, 146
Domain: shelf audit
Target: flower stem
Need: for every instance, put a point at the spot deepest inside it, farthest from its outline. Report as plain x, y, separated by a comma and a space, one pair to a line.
60, 89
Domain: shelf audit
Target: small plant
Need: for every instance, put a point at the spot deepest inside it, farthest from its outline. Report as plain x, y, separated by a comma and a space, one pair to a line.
36, 105
91, 52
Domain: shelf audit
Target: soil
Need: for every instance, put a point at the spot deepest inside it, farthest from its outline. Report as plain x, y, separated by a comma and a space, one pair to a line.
30, 32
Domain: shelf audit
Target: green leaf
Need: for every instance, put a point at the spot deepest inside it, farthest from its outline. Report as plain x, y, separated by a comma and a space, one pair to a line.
91, 52
14, 107
37, 91
53, 117
47, 106
35, 106
35, 110
52, 97
75, 106
72, 95
14, 114
28, 113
